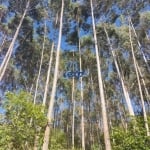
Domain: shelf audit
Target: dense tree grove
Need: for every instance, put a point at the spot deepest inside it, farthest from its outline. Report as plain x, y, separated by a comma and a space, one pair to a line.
74, 75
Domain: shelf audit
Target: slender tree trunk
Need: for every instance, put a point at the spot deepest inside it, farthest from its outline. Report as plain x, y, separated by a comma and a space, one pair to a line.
41, 62
139, 45
73, 112
146, 90
101, 89
90, 141
82, 102
98, 114
37, 81
10, 49
48, 75
49, 69
139, 84
73, 125
125, 91
51, 103
81, 93
121, 117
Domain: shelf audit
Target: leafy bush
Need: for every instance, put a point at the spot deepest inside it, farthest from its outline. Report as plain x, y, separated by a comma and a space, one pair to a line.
134, 138
22, 122
58, 140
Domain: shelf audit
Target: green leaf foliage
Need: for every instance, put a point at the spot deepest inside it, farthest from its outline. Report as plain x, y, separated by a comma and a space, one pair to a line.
58, 140
23, 120
134, 138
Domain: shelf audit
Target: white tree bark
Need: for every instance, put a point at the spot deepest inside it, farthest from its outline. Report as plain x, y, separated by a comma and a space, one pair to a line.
125, 91
41, 62
81, 94
139, 70
82, 102
48, 75
101, 88
144, 84
73, 111
139, 45
51, 103
139, 84
10, 49
49, 69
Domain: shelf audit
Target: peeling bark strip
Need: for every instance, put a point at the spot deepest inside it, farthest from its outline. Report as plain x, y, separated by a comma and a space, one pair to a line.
10, 49
101, 89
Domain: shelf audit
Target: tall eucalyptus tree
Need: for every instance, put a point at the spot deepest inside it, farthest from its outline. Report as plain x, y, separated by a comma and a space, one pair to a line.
139, 83
49, 68
143, 81
51, 103
82, 99
41, 61
10, 49
125, 91
139, 45
101, 88
48, 75
73, 109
